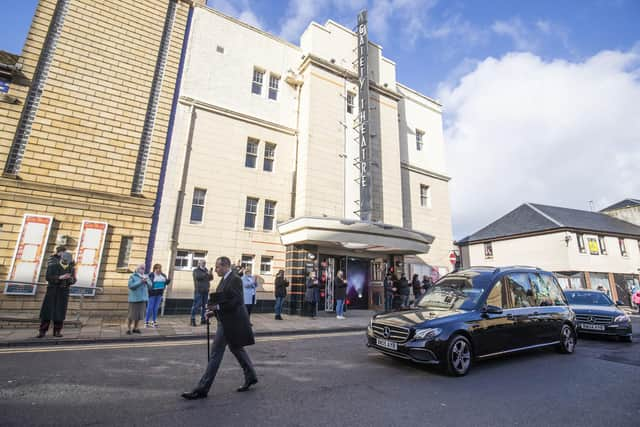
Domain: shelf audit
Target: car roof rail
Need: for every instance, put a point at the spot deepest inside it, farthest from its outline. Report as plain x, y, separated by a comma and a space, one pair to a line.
520, 266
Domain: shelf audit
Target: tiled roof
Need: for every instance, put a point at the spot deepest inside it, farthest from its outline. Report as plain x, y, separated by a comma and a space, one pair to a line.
626, 203
532, 218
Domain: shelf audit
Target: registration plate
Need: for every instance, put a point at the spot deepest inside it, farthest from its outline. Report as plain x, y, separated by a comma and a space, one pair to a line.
387, 344
591, 327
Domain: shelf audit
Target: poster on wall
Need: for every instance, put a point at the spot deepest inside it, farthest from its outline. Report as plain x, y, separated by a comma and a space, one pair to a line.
88, 256
28, 255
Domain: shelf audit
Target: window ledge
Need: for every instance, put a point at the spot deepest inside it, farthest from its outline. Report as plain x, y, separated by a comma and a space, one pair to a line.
123, 270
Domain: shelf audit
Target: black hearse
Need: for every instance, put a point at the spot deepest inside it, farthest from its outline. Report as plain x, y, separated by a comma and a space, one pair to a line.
477, 313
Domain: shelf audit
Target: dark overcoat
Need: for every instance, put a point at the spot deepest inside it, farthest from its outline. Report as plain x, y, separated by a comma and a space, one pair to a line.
54, 305
232, 313
310, 294
340, 289
281, 287
201, 279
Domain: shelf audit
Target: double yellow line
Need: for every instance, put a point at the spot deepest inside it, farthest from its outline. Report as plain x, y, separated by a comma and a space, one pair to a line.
133, 344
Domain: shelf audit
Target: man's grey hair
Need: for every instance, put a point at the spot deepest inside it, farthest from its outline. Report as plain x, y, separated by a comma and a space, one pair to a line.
224, 261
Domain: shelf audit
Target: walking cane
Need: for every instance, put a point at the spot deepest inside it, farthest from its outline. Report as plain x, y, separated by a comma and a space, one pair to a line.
208, 342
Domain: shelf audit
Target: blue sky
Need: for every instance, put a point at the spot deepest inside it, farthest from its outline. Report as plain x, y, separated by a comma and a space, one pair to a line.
540, 97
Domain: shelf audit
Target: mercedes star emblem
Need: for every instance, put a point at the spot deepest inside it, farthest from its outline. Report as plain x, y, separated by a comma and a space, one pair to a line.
387, 332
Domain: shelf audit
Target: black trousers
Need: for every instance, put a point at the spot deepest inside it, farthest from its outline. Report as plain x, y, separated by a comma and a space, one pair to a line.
311, 308
217, 351
44, 326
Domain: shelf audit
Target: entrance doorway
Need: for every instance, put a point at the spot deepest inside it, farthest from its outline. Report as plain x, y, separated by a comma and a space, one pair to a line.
356, 270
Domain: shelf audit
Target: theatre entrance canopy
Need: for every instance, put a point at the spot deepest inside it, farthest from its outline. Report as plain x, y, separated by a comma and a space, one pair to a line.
367, 238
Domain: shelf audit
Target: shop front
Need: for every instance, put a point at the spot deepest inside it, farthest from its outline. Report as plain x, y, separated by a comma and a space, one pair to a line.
363, 251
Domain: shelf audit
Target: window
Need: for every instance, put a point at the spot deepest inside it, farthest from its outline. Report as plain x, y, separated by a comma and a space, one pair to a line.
497, 297
197, 205
125, 251
269, 214
547, 290
250, 213
265, 264
252, 153
623, 248
256, 85
269, 157
603, 246
488, 250
419, 138
351, 97
520, 290
274, 81
425, 196
188, 260
580, 239
247, 263
594, 249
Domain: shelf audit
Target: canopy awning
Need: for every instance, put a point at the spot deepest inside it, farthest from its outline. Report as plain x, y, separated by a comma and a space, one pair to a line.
362, 236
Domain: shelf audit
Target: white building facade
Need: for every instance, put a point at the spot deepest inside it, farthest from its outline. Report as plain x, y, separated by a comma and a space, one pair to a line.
261, 164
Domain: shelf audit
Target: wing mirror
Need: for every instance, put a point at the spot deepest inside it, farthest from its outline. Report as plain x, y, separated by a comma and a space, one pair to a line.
491, 309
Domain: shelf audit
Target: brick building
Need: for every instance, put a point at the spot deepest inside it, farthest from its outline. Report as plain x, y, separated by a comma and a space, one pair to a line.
83, 128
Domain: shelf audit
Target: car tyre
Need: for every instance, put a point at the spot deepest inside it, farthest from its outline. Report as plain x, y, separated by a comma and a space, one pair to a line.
459, 356
567, 339
627, 338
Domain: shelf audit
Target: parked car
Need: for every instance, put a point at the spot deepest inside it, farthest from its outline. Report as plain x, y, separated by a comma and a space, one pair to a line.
478, 313
597, 314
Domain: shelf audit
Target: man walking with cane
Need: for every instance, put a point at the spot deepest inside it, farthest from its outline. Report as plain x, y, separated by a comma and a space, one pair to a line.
233, 330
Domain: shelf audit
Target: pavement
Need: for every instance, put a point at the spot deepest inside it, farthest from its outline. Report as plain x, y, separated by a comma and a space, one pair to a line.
22, 331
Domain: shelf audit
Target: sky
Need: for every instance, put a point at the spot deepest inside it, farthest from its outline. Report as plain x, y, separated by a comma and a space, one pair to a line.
540, 98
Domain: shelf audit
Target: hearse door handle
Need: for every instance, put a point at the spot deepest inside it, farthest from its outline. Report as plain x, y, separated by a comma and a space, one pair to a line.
535, 313
509, 316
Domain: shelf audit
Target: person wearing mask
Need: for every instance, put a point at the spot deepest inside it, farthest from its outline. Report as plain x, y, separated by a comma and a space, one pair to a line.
416, 286
201, 282
233, 330
159, 282
249, 286
60, 275
310, 293
340, 294
388, 292
139, 285
281, 285
404, 291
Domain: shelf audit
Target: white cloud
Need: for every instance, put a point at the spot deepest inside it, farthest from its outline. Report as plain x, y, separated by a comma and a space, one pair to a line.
516, 30
521, 129
240, 10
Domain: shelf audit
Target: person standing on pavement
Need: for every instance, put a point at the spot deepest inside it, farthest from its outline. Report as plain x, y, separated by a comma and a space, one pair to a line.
426, 283
417, 287
281, 285
388, 292
340, 294
159, 282
249, 286
60, 275
233, 330
139, 285
310, 293
404, 291
201, 282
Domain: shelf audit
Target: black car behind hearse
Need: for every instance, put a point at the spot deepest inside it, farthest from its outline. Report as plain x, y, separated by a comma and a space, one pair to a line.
477, 313
596, 314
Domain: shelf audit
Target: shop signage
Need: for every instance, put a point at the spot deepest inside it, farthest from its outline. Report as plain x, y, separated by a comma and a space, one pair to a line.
27, 257
88, 257
363, 118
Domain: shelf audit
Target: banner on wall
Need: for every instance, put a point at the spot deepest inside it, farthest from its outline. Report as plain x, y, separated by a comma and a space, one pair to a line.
88, 256
28, 255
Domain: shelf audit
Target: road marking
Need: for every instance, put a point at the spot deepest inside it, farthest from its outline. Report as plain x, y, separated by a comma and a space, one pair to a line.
117, 346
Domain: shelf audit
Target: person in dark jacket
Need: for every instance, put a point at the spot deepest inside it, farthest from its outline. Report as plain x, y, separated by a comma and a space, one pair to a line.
404, 291
310, 295
233, 330
388, 292
426, 283
281, 293
340, 294
416, 286
159, 282
60, 275
201, 282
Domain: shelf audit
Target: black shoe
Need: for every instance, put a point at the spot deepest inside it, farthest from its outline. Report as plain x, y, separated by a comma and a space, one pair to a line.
193, 322
57, 334
203, 322
192, 395
247, 383
136, 331
278, 317
128, 332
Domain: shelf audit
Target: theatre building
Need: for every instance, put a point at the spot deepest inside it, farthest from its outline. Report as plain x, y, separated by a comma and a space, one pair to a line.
301, 157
